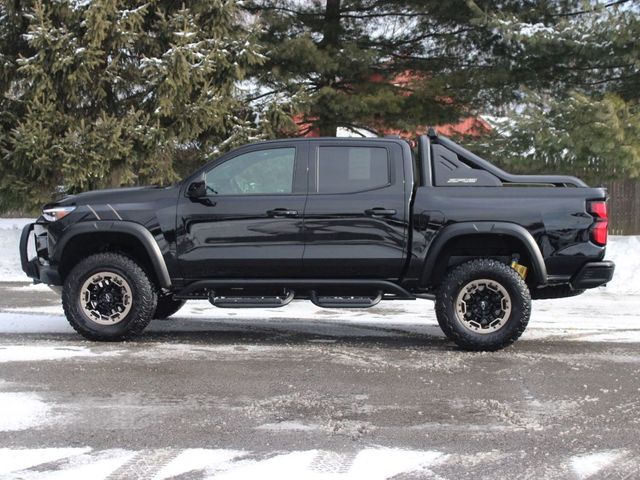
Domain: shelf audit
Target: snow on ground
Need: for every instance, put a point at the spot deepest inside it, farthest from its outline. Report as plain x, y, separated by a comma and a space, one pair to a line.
594, 316
66, 463
198, 459
584, 466
24, 353
13, 460
370, 463
21, 411
30, 287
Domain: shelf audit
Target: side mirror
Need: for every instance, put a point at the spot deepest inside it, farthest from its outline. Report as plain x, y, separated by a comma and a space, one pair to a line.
197, 189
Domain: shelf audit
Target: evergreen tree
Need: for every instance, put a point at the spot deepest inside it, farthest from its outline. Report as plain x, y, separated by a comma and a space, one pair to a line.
579, 109
389, 63
546, 66
103, 93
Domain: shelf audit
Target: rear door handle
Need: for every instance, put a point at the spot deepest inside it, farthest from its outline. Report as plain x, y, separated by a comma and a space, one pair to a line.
282, 212
380, 212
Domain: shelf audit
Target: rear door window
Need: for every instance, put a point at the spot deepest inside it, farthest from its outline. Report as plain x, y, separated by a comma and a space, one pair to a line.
351, 169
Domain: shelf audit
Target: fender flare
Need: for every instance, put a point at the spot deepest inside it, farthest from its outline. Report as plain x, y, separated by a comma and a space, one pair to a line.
143, 235
487, 228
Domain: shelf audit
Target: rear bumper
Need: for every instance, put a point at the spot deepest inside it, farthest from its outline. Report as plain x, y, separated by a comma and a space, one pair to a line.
33, 267
593, 274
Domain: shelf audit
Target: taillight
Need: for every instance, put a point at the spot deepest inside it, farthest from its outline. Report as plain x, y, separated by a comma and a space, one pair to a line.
601, 222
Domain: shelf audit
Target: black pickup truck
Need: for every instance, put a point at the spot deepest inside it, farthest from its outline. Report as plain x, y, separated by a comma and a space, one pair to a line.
342, 222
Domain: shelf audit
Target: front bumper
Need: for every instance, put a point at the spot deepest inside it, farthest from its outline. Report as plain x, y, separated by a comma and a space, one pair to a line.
35, 268
593, 274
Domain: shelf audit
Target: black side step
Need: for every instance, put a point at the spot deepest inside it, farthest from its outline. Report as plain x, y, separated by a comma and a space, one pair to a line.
385, 286
250, 302
345, 302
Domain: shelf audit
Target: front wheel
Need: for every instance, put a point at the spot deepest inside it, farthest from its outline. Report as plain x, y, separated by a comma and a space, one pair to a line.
108, 297
483, 304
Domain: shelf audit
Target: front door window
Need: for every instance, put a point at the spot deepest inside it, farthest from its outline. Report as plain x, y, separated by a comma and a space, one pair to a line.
260, 172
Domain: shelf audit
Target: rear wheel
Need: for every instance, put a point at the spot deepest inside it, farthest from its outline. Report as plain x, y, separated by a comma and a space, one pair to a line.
108, 297
483, 304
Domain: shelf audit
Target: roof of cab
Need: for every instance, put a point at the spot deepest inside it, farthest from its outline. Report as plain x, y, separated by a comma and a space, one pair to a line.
394, 139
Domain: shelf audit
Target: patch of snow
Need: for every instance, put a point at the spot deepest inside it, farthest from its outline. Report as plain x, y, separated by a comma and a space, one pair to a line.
32, 287
185, 34
27, 353
10, 230
623, 250
195, 459
593, 316
584, 466
80, 467
370, 464
288, 426
21, 411
529, 30
385, 463
293, 465
15, 459
30, 323
44, 309
81, 463
77, 4
160, 352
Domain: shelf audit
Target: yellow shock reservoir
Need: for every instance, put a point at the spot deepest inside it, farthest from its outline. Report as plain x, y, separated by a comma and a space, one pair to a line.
521, 269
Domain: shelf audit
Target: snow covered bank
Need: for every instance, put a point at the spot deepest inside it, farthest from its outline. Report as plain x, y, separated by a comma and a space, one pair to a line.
625, 251
10, 229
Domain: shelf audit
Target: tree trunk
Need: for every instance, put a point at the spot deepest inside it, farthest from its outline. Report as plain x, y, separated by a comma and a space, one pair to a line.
327, 127
331, 24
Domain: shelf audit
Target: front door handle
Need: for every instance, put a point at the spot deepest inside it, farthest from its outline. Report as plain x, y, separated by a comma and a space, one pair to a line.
282, 212
380, 212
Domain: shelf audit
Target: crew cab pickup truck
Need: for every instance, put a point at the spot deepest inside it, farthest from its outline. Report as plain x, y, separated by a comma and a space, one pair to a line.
342, 222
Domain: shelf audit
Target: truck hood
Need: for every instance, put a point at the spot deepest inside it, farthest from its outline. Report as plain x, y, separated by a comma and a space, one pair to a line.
116, 195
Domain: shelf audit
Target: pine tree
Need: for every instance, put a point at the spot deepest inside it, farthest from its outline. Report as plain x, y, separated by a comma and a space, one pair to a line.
103, 93
381, 64
546, 66
577, 108
353, 64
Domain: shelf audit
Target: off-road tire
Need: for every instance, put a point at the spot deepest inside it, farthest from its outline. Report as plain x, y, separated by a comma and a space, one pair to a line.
555, 291
143, 297
166, 307
460, 276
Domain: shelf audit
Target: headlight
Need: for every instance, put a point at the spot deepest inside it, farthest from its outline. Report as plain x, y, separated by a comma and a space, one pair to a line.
56, 213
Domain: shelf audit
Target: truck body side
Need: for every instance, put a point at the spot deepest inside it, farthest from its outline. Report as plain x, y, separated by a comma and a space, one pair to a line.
393, 225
